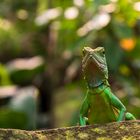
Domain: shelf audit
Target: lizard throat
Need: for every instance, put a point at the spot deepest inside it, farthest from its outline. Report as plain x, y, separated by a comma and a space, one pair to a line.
97, 90
93, 75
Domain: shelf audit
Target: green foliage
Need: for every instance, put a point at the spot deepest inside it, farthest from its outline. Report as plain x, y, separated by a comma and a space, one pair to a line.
26, 75
12, 119
9, 43
26, 103
4, 76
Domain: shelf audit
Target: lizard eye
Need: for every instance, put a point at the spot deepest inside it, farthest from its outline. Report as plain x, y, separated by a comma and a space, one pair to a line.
103, 52
83, 51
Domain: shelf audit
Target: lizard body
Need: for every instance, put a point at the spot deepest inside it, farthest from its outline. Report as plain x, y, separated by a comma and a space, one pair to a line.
100, 104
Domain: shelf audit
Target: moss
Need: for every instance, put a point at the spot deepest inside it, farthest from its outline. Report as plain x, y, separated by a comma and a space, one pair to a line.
103, 138
83, 135
69, 135
128, 138
12, 138
128, 130
122, 127
20, 135
99, 131
136, 125
1, 135
41, 137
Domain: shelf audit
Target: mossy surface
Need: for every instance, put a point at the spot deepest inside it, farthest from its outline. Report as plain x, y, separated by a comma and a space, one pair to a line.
129, 130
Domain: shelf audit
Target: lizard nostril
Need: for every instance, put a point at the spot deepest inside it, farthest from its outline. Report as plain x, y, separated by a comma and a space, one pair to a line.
83, 52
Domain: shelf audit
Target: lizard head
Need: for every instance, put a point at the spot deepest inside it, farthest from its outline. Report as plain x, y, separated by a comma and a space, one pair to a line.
97, 58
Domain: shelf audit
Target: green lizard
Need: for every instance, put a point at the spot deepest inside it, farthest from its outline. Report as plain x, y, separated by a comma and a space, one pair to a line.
100, 104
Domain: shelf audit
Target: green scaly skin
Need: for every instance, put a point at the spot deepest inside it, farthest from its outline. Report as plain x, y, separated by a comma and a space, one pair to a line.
100, 104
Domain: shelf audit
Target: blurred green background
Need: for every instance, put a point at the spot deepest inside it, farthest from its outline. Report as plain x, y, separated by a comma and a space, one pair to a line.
41, 84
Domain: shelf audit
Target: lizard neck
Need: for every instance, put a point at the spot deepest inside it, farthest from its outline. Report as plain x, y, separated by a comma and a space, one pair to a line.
92, 85
99, 89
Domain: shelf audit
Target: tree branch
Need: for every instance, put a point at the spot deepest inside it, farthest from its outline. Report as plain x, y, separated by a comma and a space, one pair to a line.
128, 130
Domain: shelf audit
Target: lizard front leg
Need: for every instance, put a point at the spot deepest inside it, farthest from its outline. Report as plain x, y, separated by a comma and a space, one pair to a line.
84, 111
116, 103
